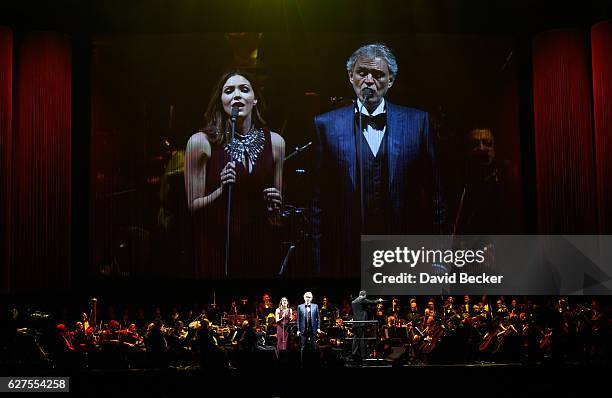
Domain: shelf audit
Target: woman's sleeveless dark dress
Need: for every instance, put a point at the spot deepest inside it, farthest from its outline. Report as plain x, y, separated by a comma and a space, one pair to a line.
253, 250
282, 332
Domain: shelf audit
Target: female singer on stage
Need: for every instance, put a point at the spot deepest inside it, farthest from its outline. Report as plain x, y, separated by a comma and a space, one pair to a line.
284, 315
253, 164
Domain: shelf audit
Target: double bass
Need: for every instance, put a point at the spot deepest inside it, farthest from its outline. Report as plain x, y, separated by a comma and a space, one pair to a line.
488, 339
433, 334
503, 335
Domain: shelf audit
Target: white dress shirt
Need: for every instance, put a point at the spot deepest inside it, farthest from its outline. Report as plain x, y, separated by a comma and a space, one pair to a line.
373, 136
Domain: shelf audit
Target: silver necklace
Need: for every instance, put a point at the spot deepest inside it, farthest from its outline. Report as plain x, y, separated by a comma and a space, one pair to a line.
251, 143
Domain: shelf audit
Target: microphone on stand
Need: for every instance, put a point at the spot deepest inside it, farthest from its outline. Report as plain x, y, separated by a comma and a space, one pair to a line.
236, 111
233, 117
366, 93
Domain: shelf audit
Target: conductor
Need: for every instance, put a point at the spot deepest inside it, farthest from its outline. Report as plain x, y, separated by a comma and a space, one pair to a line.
361, 310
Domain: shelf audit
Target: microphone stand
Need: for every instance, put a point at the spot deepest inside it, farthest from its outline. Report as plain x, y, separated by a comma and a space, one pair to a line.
367, 93
286, 260
233, 118
360, 160
297, 151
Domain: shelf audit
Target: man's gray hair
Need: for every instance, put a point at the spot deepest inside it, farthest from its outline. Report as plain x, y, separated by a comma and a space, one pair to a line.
372, 51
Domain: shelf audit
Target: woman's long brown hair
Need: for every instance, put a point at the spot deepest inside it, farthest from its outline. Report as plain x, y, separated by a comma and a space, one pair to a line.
216, 121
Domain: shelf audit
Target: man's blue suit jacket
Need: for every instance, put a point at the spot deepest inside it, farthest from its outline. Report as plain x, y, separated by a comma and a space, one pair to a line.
314, 314
415, 195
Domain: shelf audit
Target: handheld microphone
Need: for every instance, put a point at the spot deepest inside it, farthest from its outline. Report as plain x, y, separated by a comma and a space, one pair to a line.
367, 93
235, 112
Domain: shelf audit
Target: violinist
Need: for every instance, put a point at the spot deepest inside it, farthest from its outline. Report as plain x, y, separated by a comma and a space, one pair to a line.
111, 333
177, 335
64, 339
131, 339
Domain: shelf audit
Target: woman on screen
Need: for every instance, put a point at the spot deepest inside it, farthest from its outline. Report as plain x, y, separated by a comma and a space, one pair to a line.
252, 164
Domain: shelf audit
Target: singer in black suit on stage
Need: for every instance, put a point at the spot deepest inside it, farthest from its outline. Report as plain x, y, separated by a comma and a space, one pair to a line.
253, 164
360, 308
398, 191
309, 323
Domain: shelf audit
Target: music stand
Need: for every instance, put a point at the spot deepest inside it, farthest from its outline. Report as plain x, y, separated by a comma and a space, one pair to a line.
370, 335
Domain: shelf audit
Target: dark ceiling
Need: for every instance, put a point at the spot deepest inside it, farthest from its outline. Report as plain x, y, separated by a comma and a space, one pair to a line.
419, 16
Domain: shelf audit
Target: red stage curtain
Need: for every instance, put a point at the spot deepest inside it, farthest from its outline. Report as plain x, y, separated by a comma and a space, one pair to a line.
6, 110
41, 173
565, 174
601, 44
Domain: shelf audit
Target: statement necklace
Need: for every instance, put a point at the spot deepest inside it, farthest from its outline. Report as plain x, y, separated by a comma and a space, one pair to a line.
247, 146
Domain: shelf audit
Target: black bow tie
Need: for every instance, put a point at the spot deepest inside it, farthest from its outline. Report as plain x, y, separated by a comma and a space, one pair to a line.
377, 122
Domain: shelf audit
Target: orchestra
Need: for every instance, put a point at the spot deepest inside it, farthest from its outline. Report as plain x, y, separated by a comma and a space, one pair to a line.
510, 330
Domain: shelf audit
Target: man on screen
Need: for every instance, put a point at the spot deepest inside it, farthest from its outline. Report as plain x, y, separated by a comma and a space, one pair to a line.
393, 190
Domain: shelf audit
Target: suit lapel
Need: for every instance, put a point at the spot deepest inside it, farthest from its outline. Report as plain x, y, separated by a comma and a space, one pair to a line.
346, 138
302, 311
394, 128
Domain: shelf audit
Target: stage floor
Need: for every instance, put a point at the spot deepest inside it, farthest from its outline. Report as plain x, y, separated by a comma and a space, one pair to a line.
491, 379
